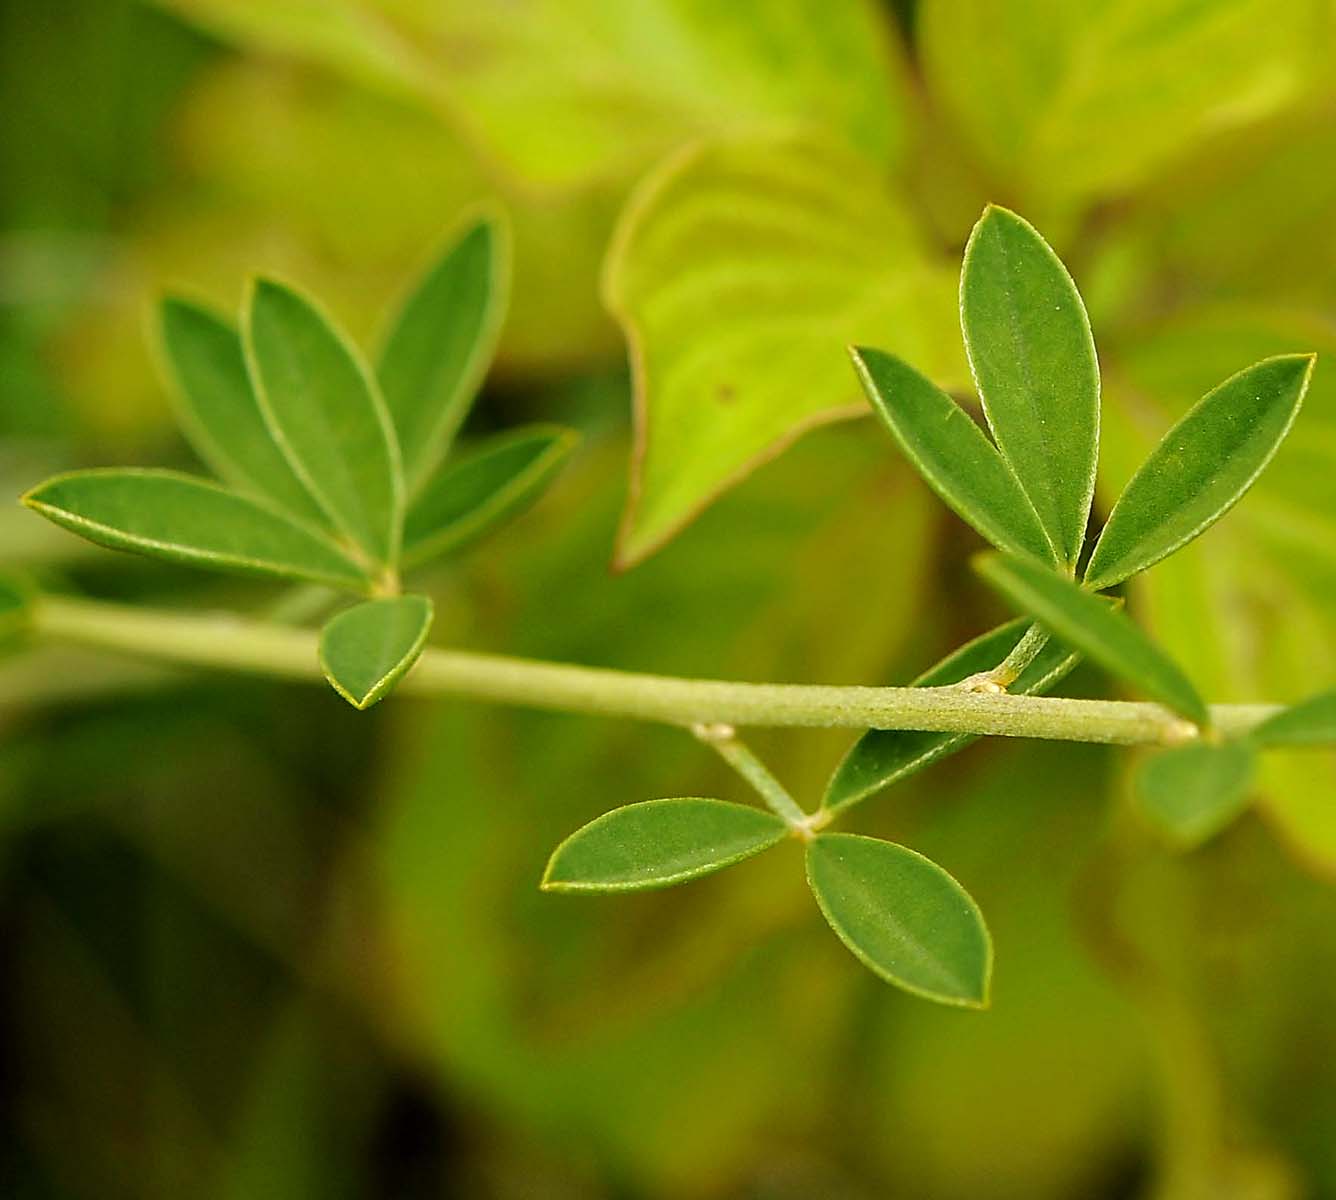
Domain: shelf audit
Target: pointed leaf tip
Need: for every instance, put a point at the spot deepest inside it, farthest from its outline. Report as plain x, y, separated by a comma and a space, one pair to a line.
366, 650
1201, 468
1032, 353
903, 917
658, 843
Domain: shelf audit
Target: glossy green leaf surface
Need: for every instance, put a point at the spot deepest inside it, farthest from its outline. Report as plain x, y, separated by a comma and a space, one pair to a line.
327, 415
164, 514
365, 650
1033, 358
737, 268
952, 453
1202, 468
1099, 631
903, 916
440, 343
1193, 792
218, 410
882, 757
658, 843
1311, 722
493, 482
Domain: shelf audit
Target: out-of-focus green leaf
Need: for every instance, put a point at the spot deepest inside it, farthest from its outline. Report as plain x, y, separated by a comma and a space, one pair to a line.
739, 272
177, 517
882, 757
953, 454
659, 843
1100, 632
1033, 358
1070, 100
440, 344
495, 481
365, 650
217, 408
615, 84
903, 916
1311, 722
1201, 469
1193, 792
15, 609
328, 417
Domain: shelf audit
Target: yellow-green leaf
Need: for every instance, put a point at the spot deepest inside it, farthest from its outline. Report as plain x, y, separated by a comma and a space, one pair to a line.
1311, 722
740, 271
365, 650
903, 917
177, 517
659, 843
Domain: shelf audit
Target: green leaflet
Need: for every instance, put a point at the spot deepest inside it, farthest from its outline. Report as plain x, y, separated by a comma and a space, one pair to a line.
494, 482
365, 650
882, 757
1201, 468
441, 341
1087, 622
1193, 792
952, 453
735, 269
903, 917
1033, 358
328, 417
658, 843
177, 517
218, 410
1311, 722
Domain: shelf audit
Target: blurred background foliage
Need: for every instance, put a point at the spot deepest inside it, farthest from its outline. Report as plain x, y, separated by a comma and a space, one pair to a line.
256, 944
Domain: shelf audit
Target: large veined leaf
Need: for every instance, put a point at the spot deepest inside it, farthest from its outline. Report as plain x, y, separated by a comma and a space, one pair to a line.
491, 483
218, 409
903, 916
1202, 468
1033, 358
569, 92
952, 453
177, 517
1193, 792
741, 270
437, 349
1068, 100
659, 843
328, 417
365, 650
1099, 631
882, 757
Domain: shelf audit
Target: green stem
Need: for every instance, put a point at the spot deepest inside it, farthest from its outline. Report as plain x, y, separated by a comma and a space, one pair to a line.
734, 751
233, 644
